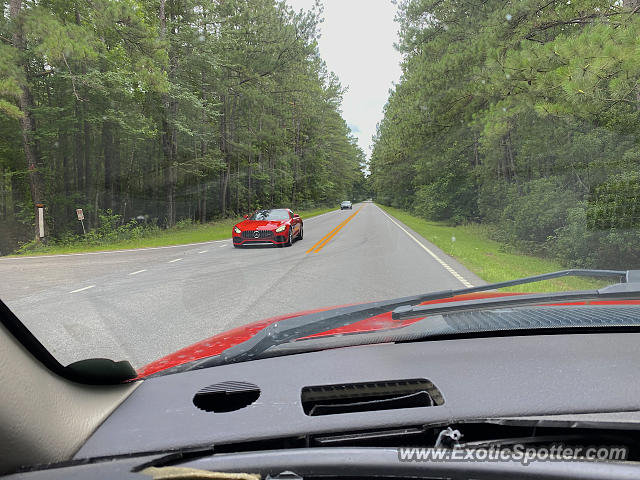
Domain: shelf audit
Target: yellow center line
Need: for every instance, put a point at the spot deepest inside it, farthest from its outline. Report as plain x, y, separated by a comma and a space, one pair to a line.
320, 241
324, 240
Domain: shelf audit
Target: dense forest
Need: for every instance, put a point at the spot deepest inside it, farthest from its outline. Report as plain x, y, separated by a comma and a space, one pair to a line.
522, 115
165, 110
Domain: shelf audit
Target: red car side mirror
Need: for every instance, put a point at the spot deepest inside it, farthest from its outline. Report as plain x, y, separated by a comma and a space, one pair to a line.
295, 215
246, 216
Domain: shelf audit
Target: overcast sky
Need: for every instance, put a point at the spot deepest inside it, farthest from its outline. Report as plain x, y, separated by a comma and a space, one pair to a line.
357, 45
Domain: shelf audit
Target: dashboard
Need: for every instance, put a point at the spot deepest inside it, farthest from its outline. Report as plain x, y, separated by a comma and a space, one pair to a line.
477, 378
257, 416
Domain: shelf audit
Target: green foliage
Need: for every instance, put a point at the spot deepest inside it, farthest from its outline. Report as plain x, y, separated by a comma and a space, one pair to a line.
530, 218
582, 247
213, 109
448, 195
109, 230
615, 204
522, 115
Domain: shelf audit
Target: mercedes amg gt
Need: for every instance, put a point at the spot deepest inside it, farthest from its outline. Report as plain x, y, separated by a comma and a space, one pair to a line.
278, 226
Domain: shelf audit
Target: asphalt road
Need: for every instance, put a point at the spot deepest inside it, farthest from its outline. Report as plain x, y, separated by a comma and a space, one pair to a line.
142, 304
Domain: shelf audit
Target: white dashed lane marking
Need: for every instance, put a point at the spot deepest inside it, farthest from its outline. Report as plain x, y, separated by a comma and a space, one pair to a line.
82, 289
204, 251
174, 260
139, 271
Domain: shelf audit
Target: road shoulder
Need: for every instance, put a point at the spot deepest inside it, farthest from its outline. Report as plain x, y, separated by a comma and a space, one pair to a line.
457, 269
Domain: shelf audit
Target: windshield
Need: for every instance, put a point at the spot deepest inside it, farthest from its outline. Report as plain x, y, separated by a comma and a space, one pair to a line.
270, 215
480, 142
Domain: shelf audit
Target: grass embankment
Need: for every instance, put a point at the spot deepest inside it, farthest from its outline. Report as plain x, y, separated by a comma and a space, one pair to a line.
491, 260
194, 233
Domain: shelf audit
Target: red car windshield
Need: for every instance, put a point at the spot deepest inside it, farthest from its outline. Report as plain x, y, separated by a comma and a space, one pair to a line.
270, 215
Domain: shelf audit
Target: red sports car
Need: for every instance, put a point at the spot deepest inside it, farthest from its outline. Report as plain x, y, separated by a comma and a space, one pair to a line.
278, 226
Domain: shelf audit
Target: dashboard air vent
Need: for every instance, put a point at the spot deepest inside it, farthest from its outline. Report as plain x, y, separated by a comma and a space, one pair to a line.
369, 396
226, 396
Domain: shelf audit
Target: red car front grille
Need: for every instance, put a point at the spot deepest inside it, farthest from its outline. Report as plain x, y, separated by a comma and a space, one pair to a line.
260, 234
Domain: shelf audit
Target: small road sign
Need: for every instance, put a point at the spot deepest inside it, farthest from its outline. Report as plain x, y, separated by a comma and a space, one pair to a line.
81, 218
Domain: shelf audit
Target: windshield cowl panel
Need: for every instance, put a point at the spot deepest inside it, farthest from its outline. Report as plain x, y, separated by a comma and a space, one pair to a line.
384, 321
219, 343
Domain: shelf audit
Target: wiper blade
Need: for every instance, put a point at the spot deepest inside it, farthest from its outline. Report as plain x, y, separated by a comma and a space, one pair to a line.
298, 327
408, 312
532, 279
628, 289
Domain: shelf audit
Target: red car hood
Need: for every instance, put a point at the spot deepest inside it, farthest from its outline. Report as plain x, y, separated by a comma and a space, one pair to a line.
260, 224
219, 343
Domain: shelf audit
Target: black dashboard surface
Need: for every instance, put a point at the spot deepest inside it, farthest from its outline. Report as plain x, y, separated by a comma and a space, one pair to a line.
478, 378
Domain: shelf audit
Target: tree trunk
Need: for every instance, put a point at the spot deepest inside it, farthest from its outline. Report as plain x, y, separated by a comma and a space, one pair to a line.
3, 201
202, 207
86, 157
203, 203
116, 178
79, 152
169, 147
295, 154
511, 158
107, 145
224, 189
67, 172
111, 150
238, 189
27, 124
226, 155
249, 182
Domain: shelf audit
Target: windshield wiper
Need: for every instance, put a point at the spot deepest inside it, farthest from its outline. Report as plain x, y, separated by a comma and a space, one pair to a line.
628, 288
290, 329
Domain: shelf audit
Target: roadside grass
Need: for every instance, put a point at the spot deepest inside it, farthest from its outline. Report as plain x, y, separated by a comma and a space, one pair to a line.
195, 233
491, 260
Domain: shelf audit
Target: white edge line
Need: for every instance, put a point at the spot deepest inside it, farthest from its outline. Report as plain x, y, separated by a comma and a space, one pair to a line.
446, 266
174, 260
81, 289
105, 252
138, 271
